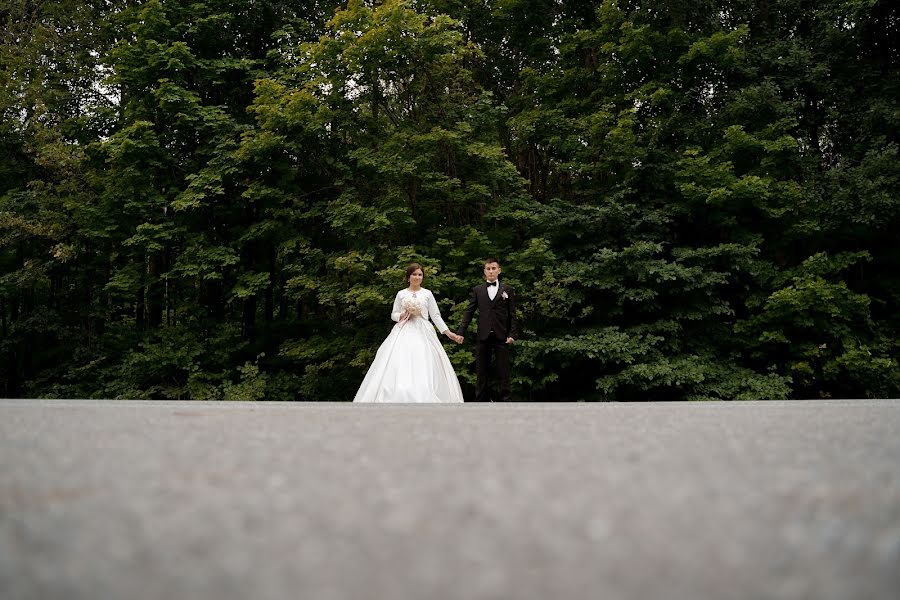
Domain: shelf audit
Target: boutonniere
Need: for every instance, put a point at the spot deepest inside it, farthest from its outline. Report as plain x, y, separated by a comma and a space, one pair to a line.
505, 296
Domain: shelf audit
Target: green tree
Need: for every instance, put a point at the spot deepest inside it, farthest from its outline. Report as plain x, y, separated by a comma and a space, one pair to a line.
217, 200
401, 162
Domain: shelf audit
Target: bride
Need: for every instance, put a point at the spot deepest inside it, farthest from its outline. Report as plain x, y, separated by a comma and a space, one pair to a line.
411, 365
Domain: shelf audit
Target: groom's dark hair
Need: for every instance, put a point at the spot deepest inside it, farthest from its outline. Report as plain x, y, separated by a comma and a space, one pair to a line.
491, 259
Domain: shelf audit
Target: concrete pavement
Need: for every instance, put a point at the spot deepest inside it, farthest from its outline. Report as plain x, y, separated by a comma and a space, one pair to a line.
197, 500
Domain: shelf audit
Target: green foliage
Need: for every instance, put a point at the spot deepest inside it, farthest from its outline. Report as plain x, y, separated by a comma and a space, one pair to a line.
218, 200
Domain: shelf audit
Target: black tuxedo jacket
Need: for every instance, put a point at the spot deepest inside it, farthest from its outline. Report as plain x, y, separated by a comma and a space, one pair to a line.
498, 315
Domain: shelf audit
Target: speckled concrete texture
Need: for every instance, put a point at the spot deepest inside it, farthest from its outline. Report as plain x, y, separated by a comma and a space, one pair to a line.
221, 501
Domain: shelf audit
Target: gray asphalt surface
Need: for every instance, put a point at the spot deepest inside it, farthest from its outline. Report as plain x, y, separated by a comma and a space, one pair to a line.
185, 500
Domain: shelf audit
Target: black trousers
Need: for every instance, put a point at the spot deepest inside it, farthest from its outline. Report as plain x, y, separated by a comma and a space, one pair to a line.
500, 350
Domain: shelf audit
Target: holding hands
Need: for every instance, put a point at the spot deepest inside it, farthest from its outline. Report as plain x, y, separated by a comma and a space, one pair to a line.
460, 339
454, 336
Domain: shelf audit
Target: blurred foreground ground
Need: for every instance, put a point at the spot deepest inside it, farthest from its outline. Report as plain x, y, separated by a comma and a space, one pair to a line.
221, 501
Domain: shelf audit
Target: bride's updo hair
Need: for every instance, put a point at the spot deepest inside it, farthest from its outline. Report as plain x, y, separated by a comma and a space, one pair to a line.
412, 268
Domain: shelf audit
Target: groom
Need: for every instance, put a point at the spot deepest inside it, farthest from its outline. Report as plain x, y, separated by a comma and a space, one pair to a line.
497, 328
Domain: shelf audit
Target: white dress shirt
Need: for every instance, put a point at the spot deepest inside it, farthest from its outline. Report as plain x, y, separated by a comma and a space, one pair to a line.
493, 289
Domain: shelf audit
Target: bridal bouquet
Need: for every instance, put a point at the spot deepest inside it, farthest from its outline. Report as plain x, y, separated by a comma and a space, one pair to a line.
411, 305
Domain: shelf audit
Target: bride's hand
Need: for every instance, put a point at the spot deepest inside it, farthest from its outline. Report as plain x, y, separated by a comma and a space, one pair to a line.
403, 316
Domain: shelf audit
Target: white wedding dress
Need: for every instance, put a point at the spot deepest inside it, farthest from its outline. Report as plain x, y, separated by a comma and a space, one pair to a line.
411, 365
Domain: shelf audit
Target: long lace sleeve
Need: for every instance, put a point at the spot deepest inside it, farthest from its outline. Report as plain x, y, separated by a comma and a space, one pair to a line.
435, 314
395, 312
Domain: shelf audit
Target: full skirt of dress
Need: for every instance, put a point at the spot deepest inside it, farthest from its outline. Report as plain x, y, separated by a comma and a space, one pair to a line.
411, 366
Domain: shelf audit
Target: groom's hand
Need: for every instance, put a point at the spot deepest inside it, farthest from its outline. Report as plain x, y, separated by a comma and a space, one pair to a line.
509, 340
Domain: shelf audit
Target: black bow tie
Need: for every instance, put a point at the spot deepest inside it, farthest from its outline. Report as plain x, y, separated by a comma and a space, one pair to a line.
490, 283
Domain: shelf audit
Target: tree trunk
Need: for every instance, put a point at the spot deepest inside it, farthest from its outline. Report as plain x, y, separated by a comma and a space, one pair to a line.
155, 292
270, 289
140, 309
12, 356
250, 319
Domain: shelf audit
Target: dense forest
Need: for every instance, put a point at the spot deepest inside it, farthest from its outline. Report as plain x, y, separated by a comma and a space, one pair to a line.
217, 200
